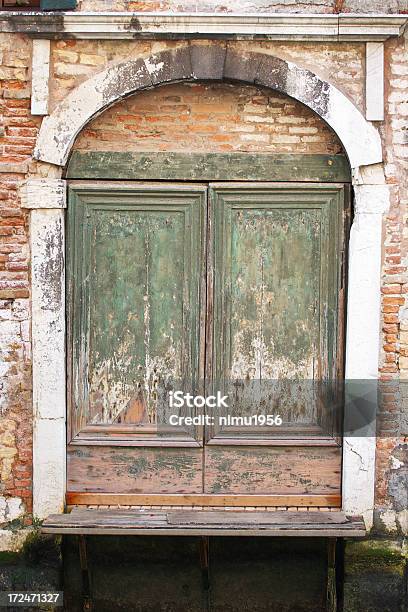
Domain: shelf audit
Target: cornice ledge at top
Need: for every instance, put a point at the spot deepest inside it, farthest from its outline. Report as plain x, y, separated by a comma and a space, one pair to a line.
162, 25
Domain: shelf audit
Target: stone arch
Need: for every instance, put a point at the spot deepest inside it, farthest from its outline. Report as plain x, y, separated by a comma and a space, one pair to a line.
211, 63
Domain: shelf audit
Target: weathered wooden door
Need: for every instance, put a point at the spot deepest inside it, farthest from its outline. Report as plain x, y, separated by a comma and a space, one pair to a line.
232, 287
275, 261
137, 269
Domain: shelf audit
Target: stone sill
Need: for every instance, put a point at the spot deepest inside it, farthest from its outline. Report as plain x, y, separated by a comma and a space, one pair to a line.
274, 26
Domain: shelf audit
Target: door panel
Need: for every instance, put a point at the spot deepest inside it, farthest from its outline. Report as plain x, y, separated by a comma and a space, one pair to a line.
273, 470
277, 279
137, 259
134, 470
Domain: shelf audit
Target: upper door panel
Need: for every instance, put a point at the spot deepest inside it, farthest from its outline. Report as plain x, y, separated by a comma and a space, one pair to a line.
137, 256
276, 265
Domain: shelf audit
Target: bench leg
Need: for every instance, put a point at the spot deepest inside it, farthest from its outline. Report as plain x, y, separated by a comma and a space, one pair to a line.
331, 575
86, 580
204, 553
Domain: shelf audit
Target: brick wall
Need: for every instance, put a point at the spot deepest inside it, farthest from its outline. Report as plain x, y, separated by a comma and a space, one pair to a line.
17, 136
247, 6
392, 446
209, 117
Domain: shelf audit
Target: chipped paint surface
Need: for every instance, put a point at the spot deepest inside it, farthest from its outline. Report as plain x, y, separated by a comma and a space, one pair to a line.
135, 470
136, 329
272, 470
276, 305
273, 314
135, 279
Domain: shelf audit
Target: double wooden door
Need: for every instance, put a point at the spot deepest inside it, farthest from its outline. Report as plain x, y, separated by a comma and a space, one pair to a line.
229, 287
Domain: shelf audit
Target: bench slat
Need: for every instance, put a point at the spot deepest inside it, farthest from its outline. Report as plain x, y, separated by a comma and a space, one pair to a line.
196, 522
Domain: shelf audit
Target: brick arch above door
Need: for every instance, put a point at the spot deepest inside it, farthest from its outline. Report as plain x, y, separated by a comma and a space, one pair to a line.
208, 62
204, 117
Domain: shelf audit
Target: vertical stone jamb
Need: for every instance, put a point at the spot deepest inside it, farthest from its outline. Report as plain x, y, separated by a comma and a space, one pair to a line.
46, 198
363, 339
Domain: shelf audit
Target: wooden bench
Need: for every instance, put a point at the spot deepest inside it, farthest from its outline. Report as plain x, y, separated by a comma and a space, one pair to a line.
85, 522
131, 521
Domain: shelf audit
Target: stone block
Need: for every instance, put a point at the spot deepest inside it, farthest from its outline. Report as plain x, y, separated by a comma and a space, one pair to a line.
174, 65
241, 66
207, 61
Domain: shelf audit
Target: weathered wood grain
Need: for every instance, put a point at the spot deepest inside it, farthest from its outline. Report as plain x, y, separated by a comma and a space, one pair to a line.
277, 271
208, 166
272, 470
199, 517
135, 267
113, 469
136, 522
203, 500
276, 268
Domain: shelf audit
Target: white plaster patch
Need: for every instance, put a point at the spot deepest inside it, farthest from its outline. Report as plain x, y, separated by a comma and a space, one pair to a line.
359, 477
153, 66
369, 175
371, 199
389, 519
375, 81
360, 139
402, 519
40, 77
11, 508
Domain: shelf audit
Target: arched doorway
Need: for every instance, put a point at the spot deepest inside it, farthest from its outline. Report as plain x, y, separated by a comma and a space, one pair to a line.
223, 264
46, 196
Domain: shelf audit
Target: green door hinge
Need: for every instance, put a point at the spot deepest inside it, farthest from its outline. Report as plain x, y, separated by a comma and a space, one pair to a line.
58, 5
